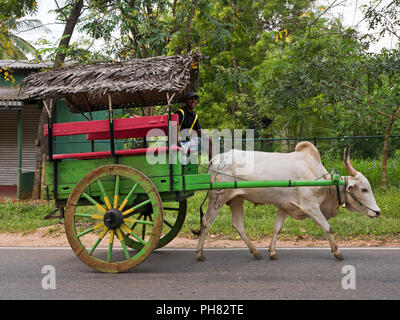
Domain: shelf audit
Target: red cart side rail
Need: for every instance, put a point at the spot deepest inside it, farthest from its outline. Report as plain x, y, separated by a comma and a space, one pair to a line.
123, 128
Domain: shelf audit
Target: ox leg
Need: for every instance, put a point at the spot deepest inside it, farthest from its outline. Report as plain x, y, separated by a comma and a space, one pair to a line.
237, 209
279, 220
320, 220
206, 222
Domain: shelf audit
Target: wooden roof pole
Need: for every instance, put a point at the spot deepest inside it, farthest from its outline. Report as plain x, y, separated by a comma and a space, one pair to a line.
170, 154
110, 115
49, 109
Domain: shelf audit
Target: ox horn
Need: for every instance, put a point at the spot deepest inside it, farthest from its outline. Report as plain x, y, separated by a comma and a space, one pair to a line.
347, 163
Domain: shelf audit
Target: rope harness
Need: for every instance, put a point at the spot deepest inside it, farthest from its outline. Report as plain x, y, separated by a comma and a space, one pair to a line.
345, 202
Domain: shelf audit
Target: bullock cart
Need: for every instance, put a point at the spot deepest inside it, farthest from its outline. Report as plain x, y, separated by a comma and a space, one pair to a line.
118, 196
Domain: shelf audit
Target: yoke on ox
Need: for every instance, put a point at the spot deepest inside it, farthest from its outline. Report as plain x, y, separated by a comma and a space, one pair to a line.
318, 203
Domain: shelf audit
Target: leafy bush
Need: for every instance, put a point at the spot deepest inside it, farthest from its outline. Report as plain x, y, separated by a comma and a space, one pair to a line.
371, 169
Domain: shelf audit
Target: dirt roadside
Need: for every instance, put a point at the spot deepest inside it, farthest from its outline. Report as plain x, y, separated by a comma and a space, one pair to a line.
55, 237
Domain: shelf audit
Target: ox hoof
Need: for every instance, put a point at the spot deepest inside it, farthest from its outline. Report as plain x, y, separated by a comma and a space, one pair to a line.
338, 256
201, 258
257, 255
274, 257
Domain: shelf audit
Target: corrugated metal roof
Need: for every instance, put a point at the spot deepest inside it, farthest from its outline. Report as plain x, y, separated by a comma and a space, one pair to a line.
9, 98
24, 65
8, 93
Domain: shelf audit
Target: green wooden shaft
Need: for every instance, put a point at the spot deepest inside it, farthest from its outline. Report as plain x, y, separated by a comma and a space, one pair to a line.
266, 184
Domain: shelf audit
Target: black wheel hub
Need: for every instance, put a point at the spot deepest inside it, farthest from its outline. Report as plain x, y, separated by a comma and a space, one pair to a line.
113, 219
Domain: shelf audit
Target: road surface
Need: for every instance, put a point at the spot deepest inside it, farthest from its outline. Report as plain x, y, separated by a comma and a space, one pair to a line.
227, 274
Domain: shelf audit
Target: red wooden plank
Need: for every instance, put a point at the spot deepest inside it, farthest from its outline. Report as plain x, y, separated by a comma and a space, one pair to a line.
136, 129
123, 128
74, 128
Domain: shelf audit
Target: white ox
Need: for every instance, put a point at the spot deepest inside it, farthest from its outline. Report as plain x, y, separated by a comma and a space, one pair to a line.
317, 203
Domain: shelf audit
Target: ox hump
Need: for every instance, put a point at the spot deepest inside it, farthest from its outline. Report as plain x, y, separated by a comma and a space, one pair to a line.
309, 148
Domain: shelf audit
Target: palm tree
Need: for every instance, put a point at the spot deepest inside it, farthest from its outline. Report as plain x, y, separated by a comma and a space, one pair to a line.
12, 46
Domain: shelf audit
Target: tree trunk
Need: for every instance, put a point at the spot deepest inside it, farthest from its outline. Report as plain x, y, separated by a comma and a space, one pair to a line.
41, 142
40, 150
392, 119
67, 34
188, 26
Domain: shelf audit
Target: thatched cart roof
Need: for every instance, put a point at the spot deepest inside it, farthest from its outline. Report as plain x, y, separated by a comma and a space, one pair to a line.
133, 83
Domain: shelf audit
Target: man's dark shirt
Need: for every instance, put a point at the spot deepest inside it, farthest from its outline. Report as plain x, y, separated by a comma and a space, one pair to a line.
188, 120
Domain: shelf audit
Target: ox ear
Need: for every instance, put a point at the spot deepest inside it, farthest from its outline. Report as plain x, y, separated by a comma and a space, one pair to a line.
350, 185
347, 163
349, 188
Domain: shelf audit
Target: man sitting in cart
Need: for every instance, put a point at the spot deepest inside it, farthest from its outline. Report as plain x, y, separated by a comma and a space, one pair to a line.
189, 129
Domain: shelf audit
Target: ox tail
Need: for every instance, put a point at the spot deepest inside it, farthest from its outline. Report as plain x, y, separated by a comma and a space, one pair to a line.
197, 232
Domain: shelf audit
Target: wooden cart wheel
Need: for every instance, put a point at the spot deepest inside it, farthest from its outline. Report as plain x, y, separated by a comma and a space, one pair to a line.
109, 219
174, 217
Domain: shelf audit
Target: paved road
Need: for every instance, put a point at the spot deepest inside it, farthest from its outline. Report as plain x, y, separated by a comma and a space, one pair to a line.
232, 274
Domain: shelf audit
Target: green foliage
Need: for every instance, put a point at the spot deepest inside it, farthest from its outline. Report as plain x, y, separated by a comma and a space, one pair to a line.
16, 8
301, 85
285, 69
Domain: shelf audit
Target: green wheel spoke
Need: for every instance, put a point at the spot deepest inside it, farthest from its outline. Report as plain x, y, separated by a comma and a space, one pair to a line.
94, 202
131, 232
138, 206
116, 192
145, 222
138, 238
98, 241
110, 245
123, 204
103, 192
84, 215
85, 232
125, 249
144, 229
88, 215
135, 222
172, 209
168, 224
95, 245
121, 239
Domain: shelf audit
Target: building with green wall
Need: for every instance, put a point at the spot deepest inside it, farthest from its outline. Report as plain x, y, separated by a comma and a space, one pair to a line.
19, 122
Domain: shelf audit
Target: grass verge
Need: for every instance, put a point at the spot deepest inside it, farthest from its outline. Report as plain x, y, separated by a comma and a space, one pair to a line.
24, 216
259, 220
